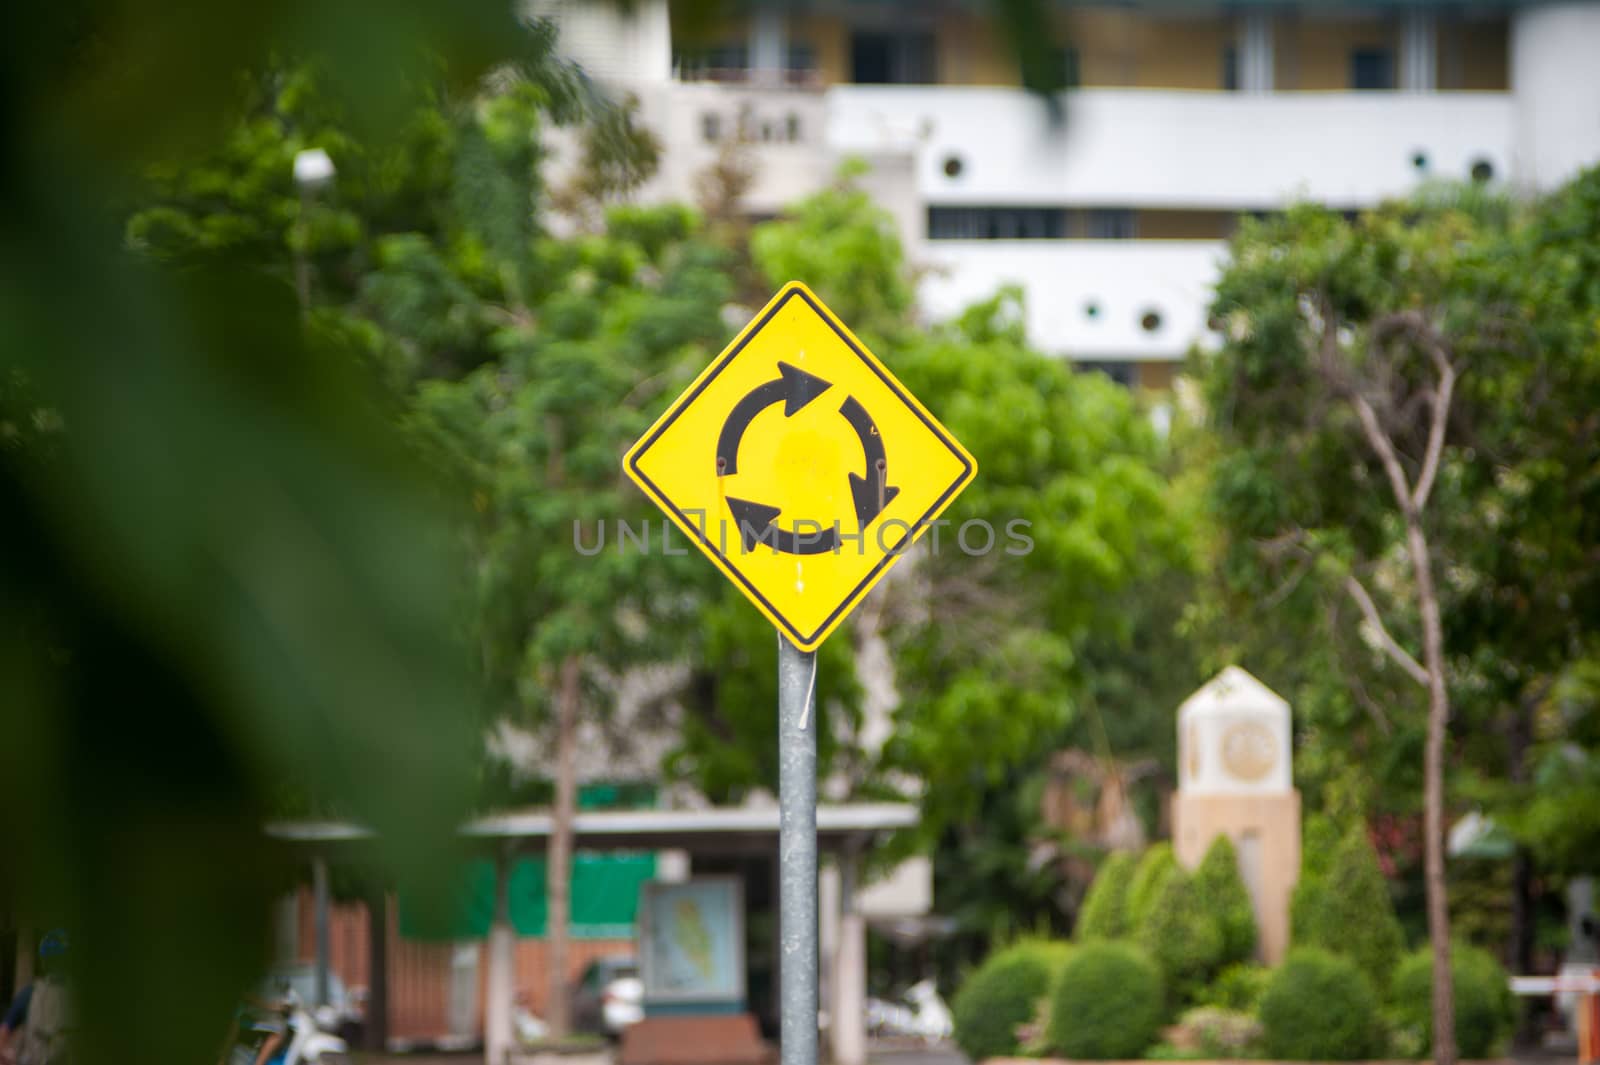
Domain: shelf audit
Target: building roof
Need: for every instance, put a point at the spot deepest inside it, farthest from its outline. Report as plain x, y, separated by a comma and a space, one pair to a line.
716, 830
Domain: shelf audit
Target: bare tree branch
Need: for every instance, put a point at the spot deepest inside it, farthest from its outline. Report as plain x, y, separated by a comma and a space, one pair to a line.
1441, 417
1384, 448
1369, 610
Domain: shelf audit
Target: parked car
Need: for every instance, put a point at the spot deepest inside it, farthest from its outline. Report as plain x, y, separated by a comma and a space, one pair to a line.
608, 997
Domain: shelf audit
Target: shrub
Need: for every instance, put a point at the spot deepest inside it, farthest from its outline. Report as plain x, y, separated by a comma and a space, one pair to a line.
1485, 1008
1238, 987
1105, 908
1182, 937
1222, 892
1106, 1003
1319, 1006
1352, 913
1152, 869
1002, 994
1217, 1033
1319, 840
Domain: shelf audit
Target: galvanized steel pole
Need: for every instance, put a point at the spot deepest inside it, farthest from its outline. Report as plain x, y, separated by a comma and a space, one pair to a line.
797, 853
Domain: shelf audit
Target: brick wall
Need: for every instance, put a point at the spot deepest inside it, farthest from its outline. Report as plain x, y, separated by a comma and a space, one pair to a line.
420, 972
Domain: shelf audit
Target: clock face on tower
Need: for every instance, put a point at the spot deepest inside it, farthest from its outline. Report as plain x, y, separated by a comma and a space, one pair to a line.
1249, 751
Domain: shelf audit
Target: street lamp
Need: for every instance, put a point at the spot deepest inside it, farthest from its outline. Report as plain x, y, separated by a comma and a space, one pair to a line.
313, 171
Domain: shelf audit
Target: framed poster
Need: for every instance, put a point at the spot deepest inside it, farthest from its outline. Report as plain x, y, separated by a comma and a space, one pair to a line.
691, 941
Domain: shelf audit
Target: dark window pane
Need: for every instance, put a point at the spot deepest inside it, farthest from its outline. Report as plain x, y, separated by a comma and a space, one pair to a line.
1230, 68
1372, 68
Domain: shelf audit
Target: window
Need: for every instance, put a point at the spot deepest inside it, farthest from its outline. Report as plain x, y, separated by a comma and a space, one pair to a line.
1122, 373
801, 58
717, 62
1230, 68
1372, 68
894, 58
996, 223
1117, 223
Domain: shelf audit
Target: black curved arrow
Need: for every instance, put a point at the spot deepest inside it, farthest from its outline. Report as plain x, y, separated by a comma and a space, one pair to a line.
872, 492
794, 387
755, 527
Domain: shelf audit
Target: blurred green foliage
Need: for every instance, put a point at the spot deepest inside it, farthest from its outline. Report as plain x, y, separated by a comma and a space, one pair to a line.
1347, 910
1003, 994
1320, 1007
1106, 1004
1104, 914
1222, 893
1485, 1006
1182, 934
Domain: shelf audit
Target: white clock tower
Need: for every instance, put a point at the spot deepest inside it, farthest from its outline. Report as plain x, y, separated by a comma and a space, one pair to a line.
1235, 779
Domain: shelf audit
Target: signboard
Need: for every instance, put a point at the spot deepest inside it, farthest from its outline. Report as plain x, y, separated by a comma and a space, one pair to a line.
691, 942
800, 466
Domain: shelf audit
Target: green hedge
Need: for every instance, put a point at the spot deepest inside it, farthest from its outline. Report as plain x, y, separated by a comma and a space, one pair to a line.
1238, 988
1485, 1007
1153, 868
1104, 914
1320, 1007
1182, 937
1351, 912
1222, 892
1107, 1003
1001, 994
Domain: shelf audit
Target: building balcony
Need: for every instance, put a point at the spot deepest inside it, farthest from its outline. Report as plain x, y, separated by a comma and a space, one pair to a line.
1155, 149
1095, 300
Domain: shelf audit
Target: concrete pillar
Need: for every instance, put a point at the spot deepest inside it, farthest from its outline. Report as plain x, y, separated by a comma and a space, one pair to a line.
769, 44
321, 903
1555, 83
850, 970
1419, 50
1257, 62
497, 1035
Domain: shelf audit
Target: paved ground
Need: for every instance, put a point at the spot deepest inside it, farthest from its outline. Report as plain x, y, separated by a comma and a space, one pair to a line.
896, 1056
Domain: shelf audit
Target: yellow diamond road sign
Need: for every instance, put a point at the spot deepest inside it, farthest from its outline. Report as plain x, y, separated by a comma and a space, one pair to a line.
800, 466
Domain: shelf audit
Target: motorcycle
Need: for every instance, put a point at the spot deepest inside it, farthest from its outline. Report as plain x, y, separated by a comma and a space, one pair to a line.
305, 1043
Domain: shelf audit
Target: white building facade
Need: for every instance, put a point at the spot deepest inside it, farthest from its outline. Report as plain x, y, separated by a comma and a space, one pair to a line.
1112, 215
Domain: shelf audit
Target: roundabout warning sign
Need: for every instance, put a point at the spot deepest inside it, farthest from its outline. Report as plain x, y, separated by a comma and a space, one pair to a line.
800, 466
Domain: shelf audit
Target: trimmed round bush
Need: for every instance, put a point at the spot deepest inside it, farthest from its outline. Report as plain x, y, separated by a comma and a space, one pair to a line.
1320, 1007
1104, 914
1107, 1003
1154, 867
1222, 893
1003, 993
1485, 1007
1182, 937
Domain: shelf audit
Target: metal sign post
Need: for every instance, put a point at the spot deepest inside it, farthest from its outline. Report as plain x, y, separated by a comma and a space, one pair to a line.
797, 853
804, 471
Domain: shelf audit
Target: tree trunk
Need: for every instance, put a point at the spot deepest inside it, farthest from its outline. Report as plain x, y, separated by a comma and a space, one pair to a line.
559, 869
377, 1012
1444, 1012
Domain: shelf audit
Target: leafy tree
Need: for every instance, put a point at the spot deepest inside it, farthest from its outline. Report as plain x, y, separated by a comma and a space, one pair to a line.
1105, 909
1353, 914
1335, 399
226, 576
1222, 893
1485, 1006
